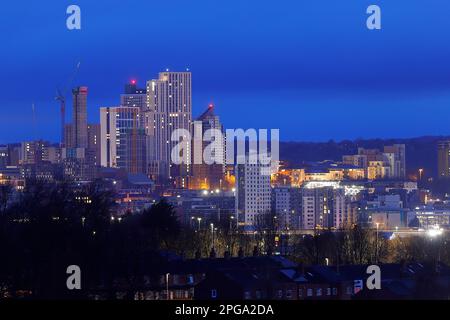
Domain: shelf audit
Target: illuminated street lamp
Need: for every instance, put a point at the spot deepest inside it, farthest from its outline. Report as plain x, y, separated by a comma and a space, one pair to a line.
376, 244
231, 219
212, 231
199, 222
420, 173
167, 286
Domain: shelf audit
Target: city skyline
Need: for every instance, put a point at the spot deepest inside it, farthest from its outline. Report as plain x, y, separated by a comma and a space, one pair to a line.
36, 129
225, 154
248, 59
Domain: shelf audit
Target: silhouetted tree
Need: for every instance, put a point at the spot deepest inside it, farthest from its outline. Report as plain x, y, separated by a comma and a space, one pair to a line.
161, 222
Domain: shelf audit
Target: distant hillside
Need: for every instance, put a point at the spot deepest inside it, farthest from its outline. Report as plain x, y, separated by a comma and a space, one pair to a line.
421, 152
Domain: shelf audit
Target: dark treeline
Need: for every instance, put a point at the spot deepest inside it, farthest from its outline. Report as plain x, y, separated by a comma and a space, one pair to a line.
48, 227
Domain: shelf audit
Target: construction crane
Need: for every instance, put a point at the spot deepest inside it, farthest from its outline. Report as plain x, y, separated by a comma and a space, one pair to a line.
61, 97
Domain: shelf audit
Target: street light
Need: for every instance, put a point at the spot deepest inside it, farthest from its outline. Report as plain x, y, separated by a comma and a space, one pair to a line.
199, 222
167, 286
376, 244
212, 231
231, 219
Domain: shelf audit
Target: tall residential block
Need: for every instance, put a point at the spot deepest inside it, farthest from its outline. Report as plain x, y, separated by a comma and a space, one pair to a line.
323, 207
169, 103
286, 204
253, 193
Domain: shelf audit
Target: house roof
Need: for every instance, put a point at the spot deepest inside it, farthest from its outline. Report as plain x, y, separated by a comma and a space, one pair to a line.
210, 264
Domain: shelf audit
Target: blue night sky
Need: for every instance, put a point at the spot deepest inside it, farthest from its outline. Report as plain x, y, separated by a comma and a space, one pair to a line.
310, 68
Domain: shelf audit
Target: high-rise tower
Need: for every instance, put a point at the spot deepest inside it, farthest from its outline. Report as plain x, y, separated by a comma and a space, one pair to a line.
208, 175
79, 116
169, 103
122, 139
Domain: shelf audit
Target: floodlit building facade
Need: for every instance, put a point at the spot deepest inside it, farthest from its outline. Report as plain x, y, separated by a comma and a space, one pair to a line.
169, 104
253, 193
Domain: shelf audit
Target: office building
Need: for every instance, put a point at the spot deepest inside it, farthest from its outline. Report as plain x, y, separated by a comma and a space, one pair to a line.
286, 205
122, 139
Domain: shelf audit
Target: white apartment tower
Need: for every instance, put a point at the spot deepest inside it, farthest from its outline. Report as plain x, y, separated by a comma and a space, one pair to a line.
253, 193
169, 105
323, 207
